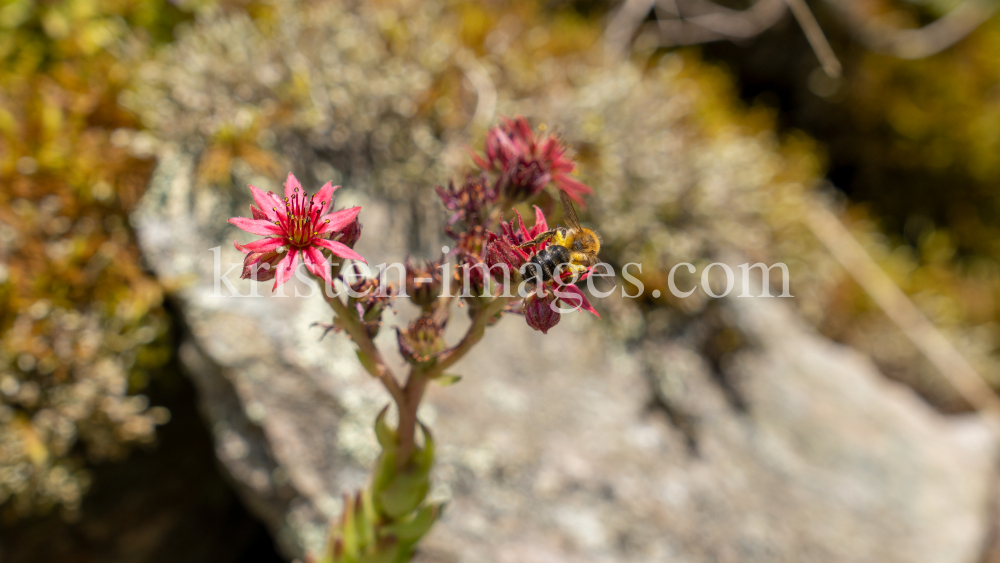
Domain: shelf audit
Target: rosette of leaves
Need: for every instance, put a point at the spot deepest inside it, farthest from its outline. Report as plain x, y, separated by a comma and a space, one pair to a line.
383, 523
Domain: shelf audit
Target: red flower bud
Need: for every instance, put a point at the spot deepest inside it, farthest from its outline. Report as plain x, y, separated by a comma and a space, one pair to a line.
540, 312
501, 251
349, 235
470, 203
263, 265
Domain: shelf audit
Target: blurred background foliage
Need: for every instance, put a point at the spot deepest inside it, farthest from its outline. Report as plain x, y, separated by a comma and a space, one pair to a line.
911, 145
82, 325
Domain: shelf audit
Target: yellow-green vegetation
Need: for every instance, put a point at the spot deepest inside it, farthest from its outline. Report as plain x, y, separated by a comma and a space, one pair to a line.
81, 325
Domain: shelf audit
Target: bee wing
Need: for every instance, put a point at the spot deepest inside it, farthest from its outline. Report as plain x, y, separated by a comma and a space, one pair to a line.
606, 284
568, 211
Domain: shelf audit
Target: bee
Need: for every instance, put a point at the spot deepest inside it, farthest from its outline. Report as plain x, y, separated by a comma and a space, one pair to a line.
574, 247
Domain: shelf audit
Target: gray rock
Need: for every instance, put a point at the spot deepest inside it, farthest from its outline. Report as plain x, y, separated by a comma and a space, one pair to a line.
556, 448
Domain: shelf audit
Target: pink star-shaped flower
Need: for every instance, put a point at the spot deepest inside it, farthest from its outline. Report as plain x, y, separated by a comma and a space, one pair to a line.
297, 225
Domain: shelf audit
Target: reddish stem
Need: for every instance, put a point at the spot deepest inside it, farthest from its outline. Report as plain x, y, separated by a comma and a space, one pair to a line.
378, 368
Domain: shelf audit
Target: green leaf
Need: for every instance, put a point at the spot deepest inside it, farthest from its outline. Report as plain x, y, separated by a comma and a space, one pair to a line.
386, 553
368, 362
367, 518
446, 379
387, 437
385, 473
414, 528
405, 493
424, 457
349, 529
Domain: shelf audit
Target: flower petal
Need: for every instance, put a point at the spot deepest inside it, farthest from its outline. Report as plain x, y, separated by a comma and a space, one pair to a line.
256, 226
574, 188
337, 220
478, 160
291, 184
524, 236
339, 249
522, 128
266, 202
540, 226
317, 264
286, 267
262, 245
325, 196
576, 295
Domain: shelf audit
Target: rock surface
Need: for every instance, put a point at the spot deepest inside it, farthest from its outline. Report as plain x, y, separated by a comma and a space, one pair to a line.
558, 448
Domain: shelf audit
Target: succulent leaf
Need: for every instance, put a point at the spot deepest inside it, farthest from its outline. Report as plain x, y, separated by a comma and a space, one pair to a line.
414, 528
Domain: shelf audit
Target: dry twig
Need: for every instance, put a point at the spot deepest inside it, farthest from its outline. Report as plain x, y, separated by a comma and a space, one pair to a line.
902, 311
920, 42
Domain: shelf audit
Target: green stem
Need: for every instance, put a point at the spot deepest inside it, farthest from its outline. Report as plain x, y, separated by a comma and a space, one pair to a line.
472, 337
408, 398
348, 321
416, 383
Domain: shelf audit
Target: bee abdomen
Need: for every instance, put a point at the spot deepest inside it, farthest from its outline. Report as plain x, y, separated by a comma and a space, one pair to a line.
548, 261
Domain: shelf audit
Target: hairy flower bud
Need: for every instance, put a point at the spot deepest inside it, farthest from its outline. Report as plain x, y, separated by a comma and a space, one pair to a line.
470, 273
423, 281
422, 340
369, 300
540, 312
349, 235
500, 251
259, 265
470, 203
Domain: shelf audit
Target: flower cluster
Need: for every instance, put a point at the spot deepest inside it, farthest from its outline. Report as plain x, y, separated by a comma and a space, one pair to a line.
506, 247
527, 164
523, 165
